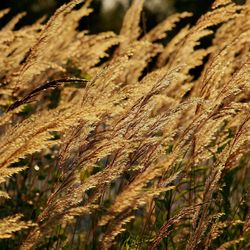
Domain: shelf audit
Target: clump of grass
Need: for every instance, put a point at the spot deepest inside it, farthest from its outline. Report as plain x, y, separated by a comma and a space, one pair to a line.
130, 152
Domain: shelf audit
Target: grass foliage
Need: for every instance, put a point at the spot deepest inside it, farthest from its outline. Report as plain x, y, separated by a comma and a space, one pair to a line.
126, 141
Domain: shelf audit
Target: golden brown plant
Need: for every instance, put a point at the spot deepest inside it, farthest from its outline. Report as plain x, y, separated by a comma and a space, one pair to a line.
130, 134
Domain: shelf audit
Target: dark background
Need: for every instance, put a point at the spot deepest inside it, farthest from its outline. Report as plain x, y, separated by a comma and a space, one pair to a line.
100, 20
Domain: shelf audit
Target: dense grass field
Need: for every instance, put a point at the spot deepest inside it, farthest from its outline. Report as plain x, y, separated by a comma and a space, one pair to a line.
136, 140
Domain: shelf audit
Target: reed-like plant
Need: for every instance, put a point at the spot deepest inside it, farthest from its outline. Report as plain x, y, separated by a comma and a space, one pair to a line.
147, 149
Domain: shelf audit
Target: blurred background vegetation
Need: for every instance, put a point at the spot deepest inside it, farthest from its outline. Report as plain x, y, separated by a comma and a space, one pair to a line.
108, 13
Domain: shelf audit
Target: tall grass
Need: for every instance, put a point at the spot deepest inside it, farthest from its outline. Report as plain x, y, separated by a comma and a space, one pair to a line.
120, 141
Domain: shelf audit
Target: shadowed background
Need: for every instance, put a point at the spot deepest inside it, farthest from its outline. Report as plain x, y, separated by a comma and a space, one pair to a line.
108, 13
